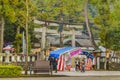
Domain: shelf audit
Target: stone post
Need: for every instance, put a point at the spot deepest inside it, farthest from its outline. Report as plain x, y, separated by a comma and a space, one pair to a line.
98, 62
43, 40
73, 38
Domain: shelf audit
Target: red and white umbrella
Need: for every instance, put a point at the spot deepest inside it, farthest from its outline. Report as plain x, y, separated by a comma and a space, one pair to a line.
8, 48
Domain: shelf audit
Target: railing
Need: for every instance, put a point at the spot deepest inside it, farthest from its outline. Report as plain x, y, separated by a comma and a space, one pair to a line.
113, 63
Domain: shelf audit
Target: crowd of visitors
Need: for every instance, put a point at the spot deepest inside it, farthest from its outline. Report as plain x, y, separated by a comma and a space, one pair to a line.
79, 64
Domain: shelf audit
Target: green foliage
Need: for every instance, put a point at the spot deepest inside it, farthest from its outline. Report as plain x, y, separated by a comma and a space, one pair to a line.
105, 14
14, 12
7, 10
10, 32
10, 70
115, 26
18, 43
23, 16
20, 9
102, 19
113, 39
29, 43
108, 20
51, 9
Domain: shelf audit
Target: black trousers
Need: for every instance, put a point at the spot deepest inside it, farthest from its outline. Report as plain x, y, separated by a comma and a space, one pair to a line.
83, 68
55, 68
77, 67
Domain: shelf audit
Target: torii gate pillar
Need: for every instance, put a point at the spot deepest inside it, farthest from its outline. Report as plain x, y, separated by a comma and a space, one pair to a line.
43, 40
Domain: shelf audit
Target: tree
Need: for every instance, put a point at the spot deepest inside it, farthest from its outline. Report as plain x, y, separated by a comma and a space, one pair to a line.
50, 10
15, 13
25, 10
87, 24
103, 19
18, 43
6, 12
108, 20
115, 26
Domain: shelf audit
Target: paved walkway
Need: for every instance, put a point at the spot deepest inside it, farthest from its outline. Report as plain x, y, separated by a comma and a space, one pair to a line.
63, 78
73, 75
88, 73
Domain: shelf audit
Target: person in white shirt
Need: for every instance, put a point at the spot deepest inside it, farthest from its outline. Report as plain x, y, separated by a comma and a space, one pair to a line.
77, 64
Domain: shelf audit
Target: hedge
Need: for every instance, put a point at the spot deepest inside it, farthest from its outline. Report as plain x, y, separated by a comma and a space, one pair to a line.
10, 70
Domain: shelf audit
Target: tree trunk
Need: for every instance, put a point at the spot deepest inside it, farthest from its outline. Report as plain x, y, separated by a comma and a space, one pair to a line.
87, 24
61, 22
18, 45
18, 30
61, 39
2, 34
26, 28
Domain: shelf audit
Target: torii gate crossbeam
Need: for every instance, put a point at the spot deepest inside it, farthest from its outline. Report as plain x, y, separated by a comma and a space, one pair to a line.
44, 30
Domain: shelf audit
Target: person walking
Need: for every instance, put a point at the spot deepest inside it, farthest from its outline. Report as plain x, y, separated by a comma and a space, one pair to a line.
51, 59
83, 65
77, 64
55, 65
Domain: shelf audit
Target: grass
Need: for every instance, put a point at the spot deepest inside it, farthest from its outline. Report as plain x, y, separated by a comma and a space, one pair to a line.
34, 75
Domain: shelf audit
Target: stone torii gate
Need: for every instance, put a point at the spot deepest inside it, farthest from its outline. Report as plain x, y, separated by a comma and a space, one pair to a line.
45, 30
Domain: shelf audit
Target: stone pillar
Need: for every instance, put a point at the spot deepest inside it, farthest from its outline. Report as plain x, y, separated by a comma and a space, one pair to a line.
28, 58
43, 37
13, 58
98, 62
73, 38
33, 58
1, 58
18, 59
43, 40
7, 58
23, 58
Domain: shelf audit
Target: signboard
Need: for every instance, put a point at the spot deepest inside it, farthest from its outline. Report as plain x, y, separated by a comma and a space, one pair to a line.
77, 51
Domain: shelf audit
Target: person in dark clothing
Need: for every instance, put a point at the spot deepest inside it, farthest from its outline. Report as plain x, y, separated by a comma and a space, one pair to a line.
83, 65
51, 59
77, 65
55, 65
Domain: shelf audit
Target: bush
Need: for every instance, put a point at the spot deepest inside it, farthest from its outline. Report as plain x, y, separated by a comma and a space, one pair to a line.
10, 70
